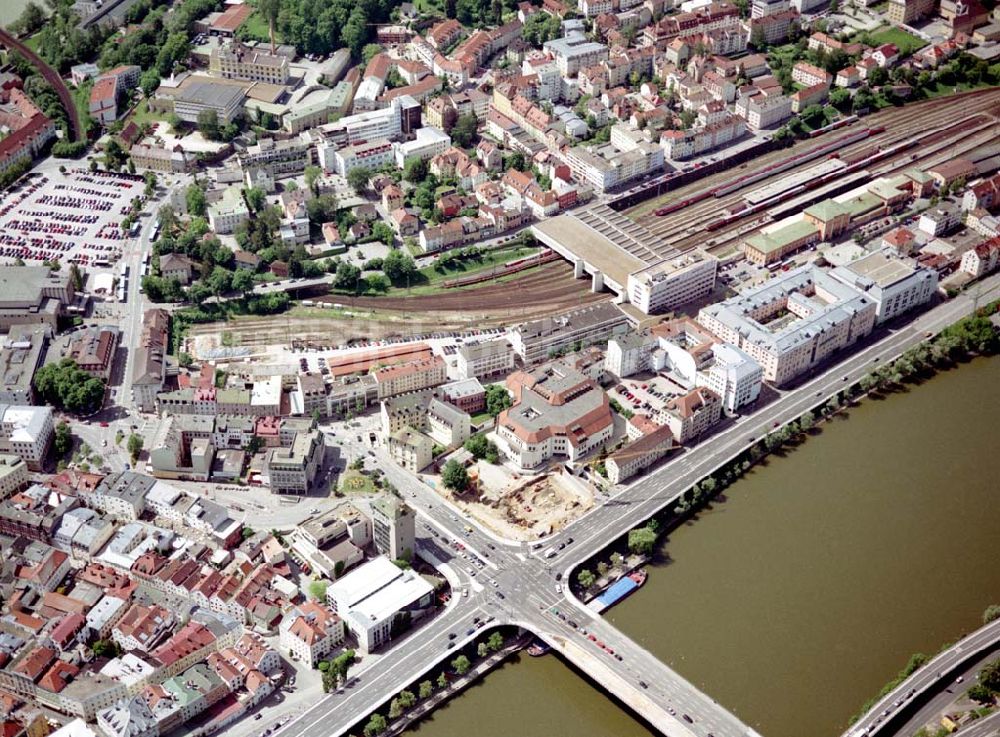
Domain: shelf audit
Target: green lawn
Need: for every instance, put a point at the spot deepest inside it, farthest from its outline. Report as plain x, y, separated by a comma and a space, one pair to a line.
144, 115
907, 43
255, 27
355, 482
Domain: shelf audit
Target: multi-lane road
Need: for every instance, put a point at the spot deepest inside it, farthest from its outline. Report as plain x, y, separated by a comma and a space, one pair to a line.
519, 586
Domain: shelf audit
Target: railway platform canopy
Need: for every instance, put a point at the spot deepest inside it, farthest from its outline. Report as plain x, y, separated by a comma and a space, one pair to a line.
796, 179
599, 246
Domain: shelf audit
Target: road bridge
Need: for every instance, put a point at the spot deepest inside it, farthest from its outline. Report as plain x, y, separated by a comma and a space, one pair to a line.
519, 587
925, 681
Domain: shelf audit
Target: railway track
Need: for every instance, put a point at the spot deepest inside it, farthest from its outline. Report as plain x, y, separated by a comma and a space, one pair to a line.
899, 125
686, 228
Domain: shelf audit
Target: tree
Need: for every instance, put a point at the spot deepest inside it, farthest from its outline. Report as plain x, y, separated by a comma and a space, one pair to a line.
442, 680
863, 100
358, 178
377, 283
454, 476
991, 614
813, 116
461, 665
807, 421
312, 176
481, 650
114, 155
105, 649
495, 642
586, 578
399, 266
979, 693
395, 709
642, 540
242, 281
602, 569
617, 560
989, 675
376, 725
134, 446
426, 689
195, 199
415, 169
383, 232
466, 131
208, 125
66, 385
497, 399
256, 199
63, 442
516, 161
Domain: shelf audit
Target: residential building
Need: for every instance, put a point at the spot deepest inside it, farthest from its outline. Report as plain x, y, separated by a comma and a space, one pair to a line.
764, 109
104, 100
734, 376
557, 411
690, 415
411, 449
394, 528
143, 628
310, 631
410, 376
810, 75
977, 261
793, 321
277, 157
575, 52
369, 154
229, 212
13, 475
639, 454
376, 598
149, 368
161, 158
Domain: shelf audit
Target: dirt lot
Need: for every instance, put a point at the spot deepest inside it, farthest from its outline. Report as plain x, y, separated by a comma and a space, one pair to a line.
528, 508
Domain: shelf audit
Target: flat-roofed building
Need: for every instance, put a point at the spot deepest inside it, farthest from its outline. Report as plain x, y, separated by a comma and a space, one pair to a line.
277, 157
229, 211
468, 395
792, 322
225, 100
895, 284
375, 597
34, 295
13, 475
734, 376
485, 359
673, 282
293, 470
541, 339
21, 354
27, 432
557, 411
393, 528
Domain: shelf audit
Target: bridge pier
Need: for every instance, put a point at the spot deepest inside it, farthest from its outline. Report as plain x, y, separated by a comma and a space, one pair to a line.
578, 269
597, 282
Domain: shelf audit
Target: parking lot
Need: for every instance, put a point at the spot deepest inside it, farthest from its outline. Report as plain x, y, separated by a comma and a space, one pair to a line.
70, 218
646, 395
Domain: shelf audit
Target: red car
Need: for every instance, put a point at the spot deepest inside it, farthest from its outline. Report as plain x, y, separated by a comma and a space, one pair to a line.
104, 424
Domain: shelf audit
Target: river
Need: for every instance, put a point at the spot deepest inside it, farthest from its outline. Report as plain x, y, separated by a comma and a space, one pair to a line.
11, 9
794, 600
